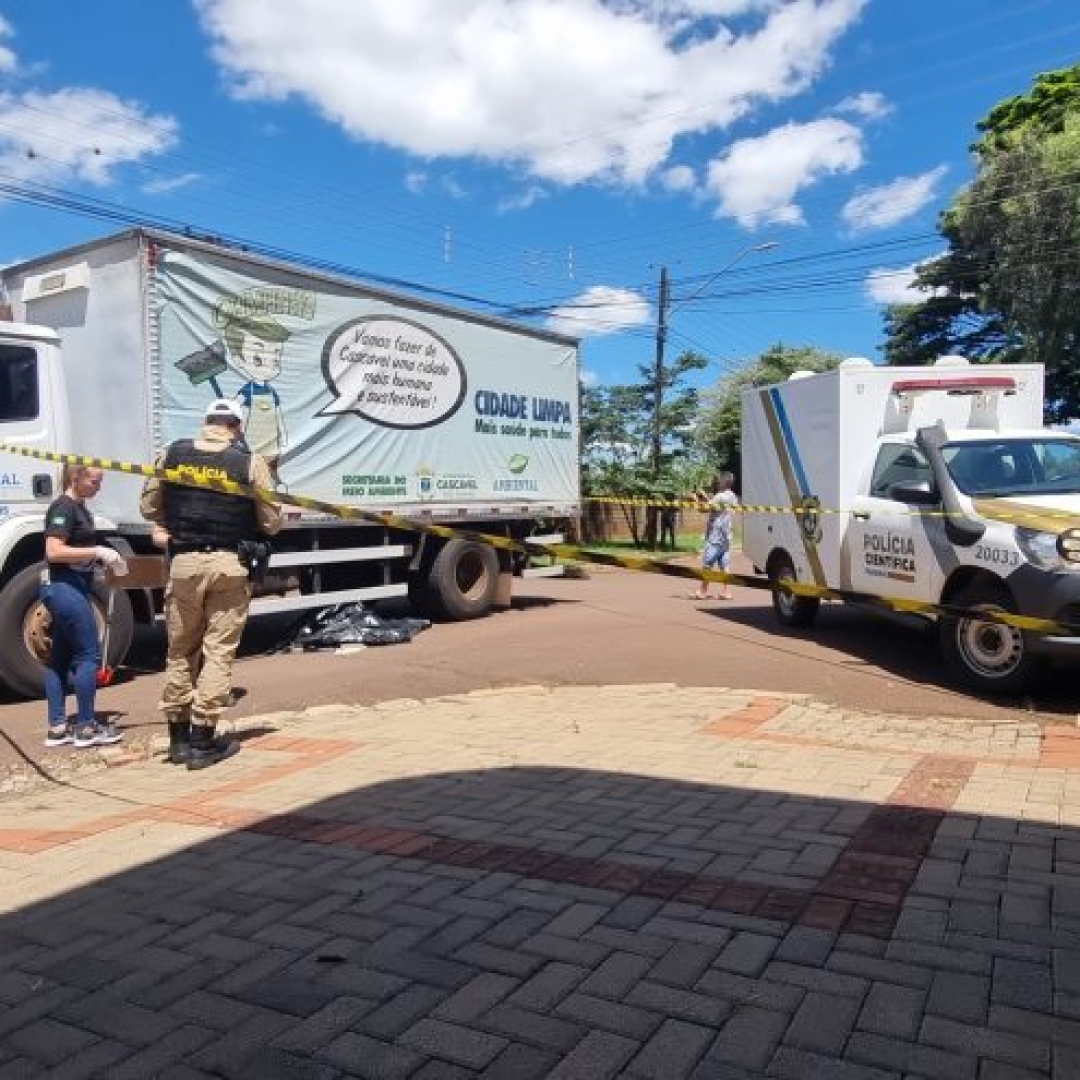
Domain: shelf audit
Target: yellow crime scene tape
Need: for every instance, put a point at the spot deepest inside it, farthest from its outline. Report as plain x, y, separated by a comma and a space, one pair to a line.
811, 507
570, 552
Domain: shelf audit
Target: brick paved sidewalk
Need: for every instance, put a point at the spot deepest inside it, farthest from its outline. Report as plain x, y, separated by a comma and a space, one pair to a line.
576, 882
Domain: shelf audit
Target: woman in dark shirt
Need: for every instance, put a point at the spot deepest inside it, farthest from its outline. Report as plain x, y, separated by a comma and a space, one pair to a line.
72, 554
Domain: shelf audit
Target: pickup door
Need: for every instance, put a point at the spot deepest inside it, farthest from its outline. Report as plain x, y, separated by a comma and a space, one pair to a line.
888, 549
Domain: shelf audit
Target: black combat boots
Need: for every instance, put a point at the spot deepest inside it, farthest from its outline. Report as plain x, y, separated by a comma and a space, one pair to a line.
205, 750
179, 742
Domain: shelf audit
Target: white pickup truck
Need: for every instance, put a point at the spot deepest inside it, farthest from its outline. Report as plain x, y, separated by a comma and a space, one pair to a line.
934, 484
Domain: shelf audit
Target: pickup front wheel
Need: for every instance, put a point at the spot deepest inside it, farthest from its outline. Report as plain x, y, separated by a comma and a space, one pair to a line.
989, 657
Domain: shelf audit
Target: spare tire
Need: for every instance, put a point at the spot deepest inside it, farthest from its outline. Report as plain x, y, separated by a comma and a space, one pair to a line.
463, 581
24, 625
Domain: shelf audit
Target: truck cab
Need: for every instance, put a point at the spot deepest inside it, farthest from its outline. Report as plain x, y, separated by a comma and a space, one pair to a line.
34, 416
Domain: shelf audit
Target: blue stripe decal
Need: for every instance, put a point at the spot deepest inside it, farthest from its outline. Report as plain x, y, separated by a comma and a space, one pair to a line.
789, 442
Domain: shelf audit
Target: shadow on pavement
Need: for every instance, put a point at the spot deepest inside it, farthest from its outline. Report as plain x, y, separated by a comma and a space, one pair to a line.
262, 636
903, 646
506, 921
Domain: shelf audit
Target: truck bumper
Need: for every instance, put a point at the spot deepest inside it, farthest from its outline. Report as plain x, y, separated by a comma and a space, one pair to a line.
1057, 647
1050, 596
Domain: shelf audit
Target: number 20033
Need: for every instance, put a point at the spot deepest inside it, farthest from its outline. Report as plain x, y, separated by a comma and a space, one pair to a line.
996, 555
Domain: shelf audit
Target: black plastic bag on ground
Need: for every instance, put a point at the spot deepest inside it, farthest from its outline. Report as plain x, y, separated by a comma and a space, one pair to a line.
351, 624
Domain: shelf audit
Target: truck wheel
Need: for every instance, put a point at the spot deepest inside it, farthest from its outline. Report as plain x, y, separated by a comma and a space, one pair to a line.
791, 610
24, 624
989, 657
463, 581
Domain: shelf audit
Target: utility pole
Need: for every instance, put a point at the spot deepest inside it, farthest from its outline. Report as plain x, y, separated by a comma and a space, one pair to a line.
658, 371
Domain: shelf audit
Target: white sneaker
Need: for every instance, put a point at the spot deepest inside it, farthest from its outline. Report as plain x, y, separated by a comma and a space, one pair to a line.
101, 734
106, 733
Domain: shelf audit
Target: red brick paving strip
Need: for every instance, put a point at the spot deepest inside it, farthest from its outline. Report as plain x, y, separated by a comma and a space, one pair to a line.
1060, 747
862, 892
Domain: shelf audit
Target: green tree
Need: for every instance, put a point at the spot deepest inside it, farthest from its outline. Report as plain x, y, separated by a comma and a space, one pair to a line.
614, 434
1045, 110
675, 405
718, 433
1007, 289
617, 425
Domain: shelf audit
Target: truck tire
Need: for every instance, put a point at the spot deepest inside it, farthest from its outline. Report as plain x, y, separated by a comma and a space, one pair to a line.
988, 657
791, 610
24, 625
463, 581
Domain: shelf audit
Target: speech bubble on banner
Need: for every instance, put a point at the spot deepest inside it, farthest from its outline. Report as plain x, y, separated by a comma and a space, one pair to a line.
393, 372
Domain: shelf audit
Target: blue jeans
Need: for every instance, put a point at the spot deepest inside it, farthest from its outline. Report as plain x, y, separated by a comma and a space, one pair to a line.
716, 556
75, 651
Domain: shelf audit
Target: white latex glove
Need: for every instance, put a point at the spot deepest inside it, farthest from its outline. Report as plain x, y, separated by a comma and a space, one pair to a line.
111, 559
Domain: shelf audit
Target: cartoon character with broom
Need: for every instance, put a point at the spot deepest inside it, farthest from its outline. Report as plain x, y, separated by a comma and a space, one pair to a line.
252, 346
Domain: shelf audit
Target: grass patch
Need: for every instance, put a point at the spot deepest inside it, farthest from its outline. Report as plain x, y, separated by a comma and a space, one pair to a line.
685, 545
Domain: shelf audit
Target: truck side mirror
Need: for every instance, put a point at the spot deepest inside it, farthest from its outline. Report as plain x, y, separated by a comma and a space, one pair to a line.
920, 493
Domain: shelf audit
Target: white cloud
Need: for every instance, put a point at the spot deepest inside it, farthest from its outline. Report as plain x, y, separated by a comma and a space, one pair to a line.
672, 10
77, 134
452, 187
167, 184
417, 181
588, 377
869, 105
570, 90
889, 204
679, 178
895, 285
523, 199
7, 56
600, 310
756, 180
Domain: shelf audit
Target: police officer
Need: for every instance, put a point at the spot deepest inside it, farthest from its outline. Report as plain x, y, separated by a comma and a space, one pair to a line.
209, 591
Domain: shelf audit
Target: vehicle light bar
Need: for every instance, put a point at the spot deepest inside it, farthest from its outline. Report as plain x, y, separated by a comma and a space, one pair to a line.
963, 384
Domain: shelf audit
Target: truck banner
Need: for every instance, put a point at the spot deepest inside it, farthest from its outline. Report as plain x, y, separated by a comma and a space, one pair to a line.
362, 400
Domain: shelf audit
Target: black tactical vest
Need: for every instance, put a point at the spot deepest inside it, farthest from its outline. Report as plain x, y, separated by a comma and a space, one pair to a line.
200, 515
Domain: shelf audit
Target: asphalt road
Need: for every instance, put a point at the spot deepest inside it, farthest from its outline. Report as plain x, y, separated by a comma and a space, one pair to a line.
614, 627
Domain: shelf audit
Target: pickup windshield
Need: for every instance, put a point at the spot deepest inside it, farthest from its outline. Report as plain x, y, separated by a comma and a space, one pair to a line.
1015, 466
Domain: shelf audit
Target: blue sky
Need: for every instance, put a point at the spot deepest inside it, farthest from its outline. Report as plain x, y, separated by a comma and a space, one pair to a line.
784, 159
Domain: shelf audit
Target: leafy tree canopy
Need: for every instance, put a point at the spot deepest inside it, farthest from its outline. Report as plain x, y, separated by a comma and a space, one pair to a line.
618, 426
1008, 288
1054, 96
619, 423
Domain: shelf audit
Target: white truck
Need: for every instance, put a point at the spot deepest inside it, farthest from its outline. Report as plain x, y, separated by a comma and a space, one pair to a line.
935, 485
357, 396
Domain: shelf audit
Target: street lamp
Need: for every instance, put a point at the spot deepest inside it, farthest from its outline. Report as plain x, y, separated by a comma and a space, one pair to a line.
751, 249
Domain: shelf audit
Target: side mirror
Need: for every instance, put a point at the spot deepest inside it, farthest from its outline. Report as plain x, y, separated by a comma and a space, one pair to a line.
921, 493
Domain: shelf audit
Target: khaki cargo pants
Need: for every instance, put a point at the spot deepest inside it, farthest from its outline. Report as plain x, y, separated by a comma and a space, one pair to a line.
206, 606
